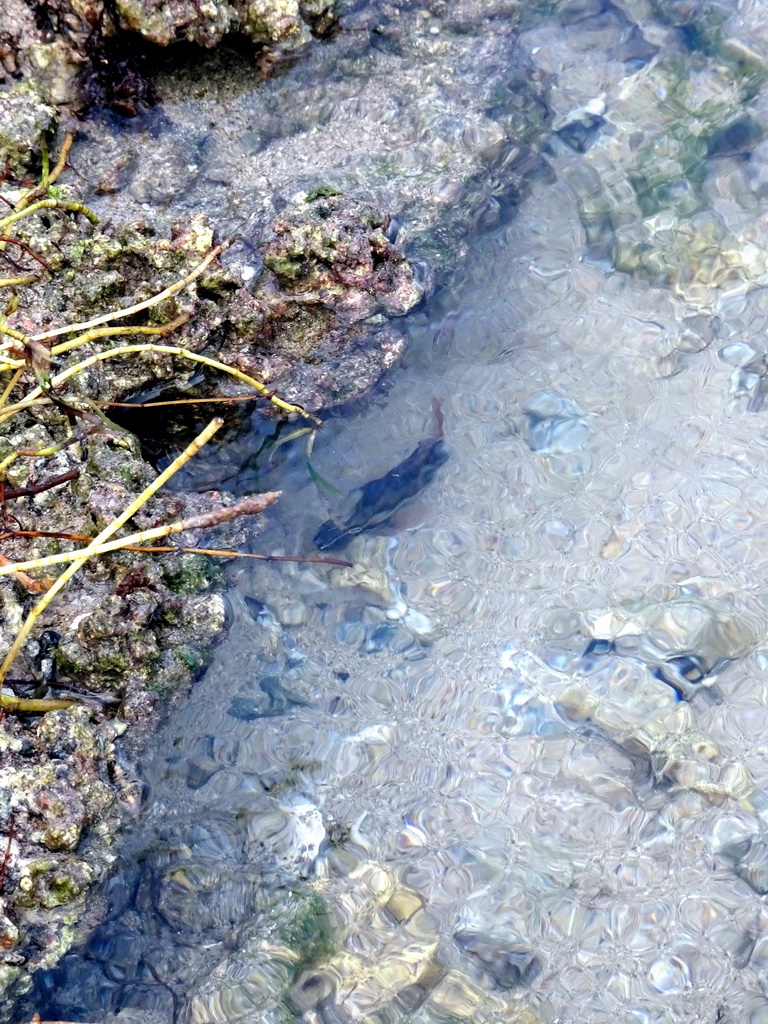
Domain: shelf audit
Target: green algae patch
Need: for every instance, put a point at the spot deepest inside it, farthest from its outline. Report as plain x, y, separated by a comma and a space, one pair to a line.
650, 165
48, 882
308, 929
189, 574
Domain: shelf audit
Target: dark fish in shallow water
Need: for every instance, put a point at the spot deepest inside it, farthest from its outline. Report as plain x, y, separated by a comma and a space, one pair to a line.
380, 499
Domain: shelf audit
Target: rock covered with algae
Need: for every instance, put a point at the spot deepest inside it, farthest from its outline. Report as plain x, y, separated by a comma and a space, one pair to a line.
380, 952
453, 116
132, 631
329, 206
71, 51
63, 796
287, 22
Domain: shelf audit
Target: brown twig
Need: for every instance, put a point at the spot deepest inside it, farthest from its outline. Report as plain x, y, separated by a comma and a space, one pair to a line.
9, 493
223, 553
45, 533
27, 249
178, 548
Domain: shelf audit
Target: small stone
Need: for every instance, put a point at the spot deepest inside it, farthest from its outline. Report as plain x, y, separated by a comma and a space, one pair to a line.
290, 613
506, 963
403, 904
455, 996
555, 424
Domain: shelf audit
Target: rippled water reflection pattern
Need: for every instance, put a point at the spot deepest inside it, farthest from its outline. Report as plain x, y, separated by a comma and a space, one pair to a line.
519, 751
543, 718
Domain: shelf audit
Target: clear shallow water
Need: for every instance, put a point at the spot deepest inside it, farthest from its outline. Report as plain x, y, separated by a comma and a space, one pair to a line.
519, 756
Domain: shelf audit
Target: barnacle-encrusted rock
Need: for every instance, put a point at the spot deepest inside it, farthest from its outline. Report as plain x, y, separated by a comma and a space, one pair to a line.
59, 814
180, 19
67, 56
50, 882
263, 21
331, 251
25, 121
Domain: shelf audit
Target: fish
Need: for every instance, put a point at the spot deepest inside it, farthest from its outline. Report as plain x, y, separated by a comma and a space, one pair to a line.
380, 499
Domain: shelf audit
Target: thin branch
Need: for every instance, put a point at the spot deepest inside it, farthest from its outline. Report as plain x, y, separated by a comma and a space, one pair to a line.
26, 403
27, 249
7, 282
48, 204
250, 506
179, 549
180, 401
223, 553
172, 350
118, 314
61, 163
190, 451
109, 332
9, 493
11, 385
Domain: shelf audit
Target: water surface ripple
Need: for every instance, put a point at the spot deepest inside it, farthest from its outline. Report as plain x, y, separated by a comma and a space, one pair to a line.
516, 757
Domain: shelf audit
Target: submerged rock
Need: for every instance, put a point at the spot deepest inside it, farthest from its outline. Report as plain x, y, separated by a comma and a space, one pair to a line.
349, 188
506, 962
58, 788
646, 666
641, 181
329, 250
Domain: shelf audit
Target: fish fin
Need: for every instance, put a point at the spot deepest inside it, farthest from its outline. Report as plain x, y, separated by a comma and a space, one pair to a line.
437, 413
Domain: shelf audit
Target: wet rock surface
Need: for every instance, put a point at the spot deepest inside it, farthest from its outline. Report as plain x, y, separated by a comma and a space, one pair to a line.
301, 301
430, 114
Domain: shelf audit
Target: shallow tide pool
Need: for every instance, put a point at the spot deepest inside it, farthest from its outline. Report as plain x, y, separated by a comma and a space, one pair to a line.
511, 766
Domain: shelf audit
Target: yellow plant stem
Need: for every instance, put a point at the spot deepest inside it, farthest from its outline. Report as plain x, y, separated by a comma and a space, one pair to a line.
46, 181
7, 461
108, 332
82, 557
11, 332
61, 163
6, 365
8, 281
117, 314
171, 350
31, 705
10, 386
26, 403
44, 177
132, 540
48, 204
